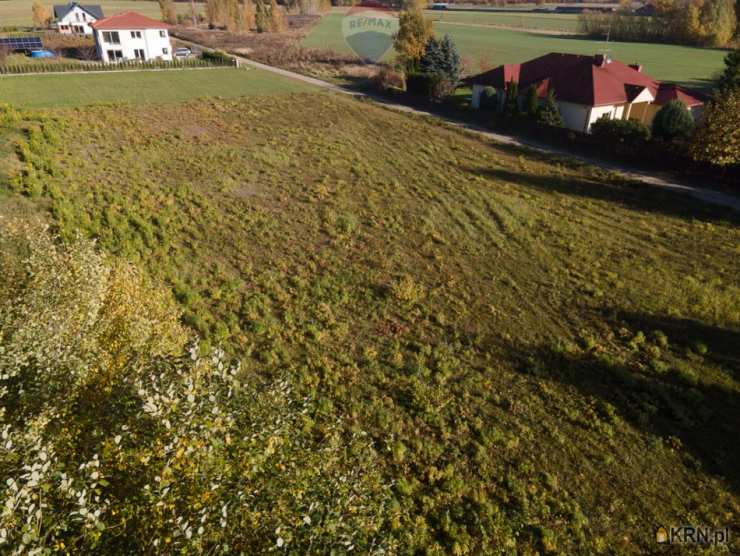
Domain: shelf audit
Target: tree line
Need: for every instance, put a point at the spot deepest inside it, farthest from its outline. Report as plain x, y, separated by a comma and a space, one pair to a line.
697, 22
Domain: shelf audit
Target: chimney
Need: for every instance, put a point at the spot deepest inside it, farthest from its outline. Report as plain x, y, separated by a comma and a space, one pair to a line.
636, 67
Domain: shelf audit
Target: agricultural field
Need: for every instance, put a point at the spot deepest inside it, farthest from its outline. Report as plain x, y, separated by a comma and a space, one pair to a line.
76, 89
520, 353
687, 65
530, 21
17, 13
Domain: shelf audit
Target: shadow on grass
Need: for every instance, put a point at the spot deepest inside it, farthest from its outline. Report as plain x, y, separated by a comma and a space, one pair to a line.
628, 193
722, 345
704, 415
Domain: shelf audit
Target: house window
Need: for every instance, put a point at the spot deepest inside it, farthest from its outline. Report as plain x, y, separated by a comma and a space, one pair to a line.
64, 27
77, 15
163, 34
79, 29
165, 51
115, 55
135, 34
84, 17
139, 54
111, 37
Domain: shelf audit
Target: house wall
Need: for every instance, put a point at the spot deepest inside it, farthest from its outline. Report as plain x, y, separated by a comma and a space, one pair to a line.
155, 46
575, 116
76, 17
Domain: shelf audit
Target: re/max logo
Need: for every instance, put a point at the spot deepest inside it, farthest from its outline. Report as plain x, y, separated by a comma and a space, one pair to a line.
359, 22
690, 534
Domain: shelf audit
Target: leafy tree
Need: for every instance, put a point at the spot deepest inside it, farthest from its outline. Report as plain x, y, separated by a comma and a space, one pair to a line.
730, 78
700, 22
109, 413
414, 32
719, 22
41, 17
532, 102
246, 16
673, 120
217, 13
548, 113
718, 140
511, 101
167, 9
278, 19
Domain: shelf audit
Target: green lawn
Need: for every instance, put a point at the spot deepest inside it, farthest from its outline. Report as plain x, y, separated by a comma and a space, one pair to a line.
542, 354
687, 65
18, 12
75, 89
537, 21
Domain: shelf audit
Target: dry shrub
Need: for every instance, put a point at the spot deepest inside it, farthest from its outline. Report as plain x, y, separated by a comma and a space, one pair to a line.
388, 79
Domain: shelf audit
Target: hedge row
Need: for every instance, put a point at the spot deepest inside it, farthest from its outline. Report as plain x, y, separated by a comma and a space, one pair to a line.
209, 61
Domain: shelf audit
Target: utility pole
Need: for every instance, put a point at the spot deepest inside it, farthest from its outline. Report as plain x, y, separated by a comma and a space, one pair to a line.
192, 12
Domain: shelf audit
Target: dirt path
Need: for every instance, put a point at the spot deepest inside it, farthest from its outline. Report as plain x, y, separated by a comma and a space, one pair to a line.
705, 195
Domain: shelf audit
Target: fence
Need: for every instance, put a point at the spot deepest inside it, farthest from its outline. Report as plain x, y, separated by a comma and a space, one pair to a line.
52, 67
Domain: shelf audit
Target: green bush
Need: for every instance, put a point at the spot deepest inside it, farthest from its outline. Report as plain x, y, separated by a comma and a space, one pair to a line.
488, 99
629, 132
672, 121
532, 102
421, 83
511, 103
217, 56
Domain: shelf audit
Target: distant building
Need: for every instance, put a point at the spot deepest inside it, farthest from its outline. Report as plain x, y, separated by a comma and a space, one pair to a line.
75, 19
132, 36
587, 88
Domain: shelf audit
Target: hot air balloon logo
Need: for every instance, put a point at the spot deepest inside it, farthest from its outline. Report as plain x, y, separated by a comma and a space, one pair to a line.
368, 30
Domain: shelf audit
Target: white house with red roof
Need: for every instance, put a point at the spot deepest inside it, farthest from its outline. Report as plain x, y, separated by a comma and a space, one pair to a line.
132, 36
587, 88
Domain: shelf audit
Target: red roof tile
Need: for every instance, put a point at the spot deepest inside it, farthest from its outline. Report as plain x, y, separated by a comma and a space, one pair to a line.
668, 91
589, 80
128, 20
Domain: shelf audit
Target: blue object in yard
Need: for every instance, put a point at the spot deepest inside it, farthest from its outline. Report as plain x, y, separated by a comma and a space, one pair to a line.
42, 54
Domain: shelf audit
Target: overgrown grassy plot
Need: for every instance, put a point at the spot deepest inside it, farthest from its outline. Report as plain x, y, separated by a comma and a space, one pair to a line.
544, 355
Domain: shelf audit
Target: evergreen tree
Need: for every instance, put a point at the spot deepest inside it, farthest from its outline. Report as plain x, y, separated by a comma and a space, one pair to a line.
441, 65
533, 101
672, 120
548, 113
730, 78
442, 59
511, 102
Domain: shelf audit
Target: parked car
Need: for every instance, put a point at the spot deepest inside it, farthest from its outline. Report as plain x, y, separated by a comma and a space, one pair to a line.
182, 53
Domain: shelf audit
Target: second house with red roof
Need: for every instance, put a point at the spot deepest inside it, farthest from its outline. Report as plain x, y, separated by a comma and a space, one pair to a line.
586, 88
132, 36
